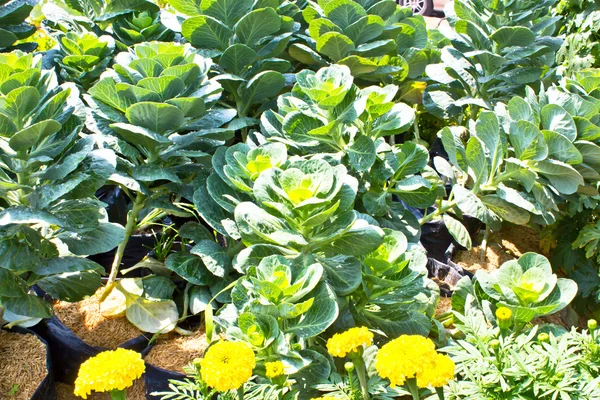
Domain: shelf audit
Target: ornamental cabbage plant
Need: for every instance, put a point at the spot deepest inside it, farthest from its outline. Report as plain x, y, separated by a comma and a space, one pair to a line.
497, 49
378, 40
154, 109
49, 173
327, 113
522, 162
526, 286
246, 39
82, 58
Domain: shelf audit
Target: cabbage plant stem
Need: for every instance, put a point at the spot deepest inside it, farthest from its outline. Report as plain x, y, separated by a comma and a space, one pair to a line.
132, 218
437, 212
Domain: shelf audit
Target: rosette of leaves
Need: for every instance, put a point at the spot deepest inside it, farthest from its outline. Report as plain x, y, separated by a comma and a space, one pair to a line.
377, 40
235, 169
327, 113
306, 210
48, 176
83, 58
526, 286
130, 21
396, 296
291, 299
154, 108
521, 166
141, 26
277, 305
12, 21
497, 50
245, 38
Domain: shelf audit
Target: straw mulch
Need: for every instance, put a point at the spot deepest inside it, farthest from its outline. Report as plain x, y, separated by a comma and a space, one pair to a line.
136, 392
23, 365
86, 321
173, 352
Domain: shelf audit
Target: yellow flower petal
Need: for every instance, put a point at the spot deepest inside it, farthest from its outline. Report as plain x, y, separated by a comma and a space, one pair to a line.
109, 370
341, 344
405, 357
227, 365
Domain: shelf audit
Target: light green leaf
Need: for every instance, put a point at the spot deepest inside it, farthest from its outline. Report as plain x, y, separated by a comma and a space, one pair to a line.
458, 231
365, 29
213, 256
30, 136
157, 117
562, 176
100, 240
263, 87
335, 45
256, 25
344, 13
508, 36
227, 11
71, 286
189, 267
206, 32
320, 26
361, 153
152, 316
557, 119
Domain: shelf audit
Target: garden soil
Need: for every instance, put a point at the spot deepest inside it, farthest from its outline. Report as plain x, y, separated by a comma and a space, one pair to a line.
509, 243
136, 392
173, 352
86, 321
23, 366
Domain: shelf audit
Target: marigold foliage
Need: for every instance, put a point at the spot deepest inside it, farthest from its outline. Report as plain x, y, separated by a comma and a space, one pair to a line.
274, 369
342, 344
109, 370
227, 365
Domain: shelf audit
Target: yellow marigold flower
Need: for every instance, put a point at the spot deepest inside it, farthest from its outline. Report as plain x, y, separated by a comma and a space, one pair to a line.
503, 313
274, 369
341, 344
227, 365
109, 370
404, 357
437, 374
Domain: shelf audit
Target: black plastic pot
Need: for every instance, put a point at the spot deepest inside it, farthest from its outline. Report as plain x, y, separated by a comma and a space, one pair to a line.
69, 351
441, 247
157, 380
137, 248
47, 389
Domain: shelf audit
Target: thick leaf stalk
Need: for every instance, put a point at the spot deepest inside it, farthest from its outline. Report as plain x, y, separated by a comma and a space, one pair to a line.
132, 218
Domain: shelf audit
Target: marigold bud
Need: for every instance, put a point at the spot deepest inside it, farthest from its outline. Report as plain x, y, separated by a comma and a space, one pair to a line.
543, 337
349, 366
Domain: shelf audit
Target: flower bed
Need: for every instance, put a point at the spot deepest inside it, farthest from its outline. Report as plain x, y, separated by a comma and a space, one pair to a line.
296, 199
